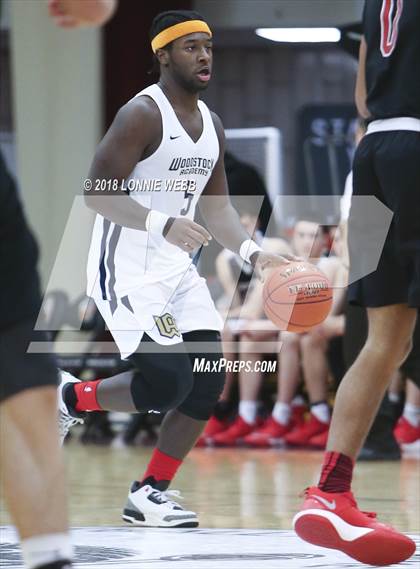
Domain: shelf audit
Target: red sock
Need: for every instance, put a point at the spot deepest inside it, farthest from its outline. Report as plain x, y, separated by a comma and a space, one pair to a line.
85, 392
162, 466
337, 472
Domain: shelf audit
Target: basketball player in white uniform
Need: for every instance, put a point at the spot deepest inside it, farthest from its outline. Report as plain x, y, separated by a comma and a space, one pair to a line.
165, 149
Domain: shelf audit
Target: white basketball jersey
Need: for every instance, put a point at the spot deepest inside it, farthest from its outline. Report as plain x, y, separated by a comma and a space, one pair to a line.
170, 181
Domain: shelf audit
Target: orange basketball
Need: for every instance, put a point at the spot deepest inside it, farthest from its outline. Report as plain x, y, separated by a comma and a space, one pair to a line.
297, 296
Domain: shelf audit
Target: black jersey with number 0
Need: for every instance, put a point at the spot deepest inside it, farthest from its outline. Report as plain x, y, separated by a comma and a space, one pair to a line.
392, 33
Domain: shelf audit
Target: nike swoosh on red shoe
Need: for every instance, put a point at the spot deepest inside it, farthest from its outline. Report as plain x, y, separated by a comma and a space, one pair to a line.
330, 505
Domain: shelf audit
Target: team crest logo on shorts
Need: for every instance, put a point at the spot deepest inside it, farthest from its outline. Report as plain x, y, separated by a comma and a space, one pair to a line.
166, 325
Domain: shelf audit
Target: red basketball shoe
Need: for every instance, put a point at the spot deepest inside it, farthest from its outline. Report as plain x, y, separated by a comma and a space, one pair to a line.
213, 427
319, 441
302, 435
333, 520
298, 415
406, 433
268, 434
234, 434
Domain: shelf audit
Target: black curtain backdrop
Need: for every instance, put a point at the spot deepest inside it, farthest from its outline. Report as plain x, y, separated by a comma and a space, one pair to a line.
127, 53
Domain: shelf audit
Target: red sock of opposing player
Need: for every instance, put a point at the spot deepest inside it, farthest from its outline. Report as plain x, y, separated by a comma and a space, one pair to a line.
85, 396
337, 473
162, 468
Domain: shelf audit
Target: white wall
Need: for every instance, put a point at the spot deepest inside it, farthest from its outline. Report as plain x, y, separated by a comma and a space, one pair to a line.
57, 93
272, 13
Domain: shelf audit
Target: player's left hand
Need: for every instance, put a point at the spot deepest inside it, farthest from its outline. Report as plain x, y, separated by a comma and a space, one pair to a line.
262, 262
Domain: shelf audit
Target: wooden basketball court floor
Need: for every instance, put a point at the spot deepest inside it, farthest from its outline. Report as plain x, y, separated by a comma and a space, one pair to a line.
245, 500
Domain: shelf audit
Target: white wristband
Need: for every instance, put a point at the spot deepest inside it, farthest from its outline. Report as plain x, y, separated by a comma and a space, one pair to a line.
155, 222
247, 249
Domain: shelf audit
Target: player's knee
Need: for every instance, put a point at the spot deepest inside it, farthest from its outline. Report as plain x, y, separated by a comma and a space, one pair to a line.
307, 341
248, 346
163, 385
177, 389
392, 351
398, 352
290, 339
312, 342
208, 382
227, 335
200, 402
405, 351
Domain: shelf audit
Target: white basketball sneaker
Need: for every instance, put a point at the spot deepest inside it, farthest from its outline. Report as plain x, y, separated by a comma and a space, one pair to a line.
148, 507
67, 417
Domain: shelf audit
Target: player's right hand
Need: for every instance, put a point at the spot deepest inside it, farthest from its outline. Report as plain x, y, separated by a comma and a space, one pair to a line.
186, 234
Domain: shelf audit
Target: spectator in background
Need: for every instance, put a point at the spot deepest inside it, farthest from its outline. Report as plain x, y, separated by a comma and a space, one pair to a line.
241, 300
308, 241
407, 431
389, 431
234, 275
314, 353
244, 180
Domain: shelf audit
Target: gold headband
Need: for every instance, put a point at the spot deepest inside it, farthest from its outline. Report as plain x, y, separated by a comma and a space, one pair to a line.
177, 31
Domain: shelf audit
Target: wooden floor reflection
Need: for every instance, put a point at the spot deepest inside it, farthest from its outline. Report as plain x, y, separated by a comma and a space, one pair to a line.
233, 488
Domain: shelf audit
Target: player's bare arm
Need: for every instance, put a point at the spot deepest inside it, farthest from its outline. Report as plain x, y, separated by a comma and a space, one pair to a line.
134, 133
221, 217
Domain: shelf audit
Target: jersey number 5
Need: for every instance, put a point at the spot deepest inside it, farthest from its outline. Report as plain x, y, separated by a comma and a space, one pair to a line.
390, 16
188, 196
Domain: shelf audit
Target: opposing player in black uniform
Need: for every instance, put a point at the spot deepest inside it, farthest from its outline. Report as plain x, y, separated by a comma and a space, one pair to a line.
387, 167
32, 470
31, 464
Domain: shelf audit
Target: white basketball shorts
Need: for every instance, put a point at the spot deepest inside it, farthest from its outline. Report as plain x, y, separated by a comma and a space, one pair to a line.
164, 309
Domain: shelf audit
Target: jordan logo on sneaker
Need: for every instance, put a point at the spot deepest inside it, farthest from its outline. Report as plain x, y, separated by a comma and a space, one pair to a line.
327, 503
